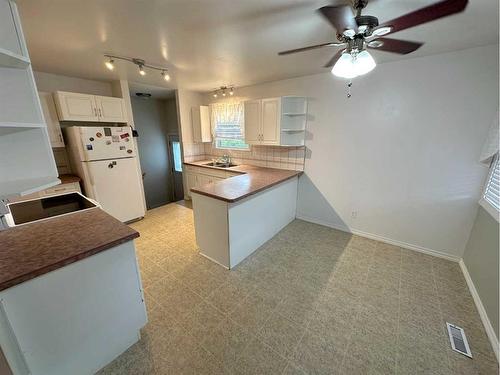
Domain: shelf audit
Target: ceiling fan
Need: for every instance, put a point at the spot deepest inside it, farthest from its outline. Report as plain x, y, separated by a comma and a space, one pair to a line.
358, 33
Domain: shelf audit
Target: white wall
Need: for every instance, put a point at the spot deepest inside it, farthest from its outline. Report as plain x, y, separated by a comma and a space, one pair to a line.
402, 152
53, 82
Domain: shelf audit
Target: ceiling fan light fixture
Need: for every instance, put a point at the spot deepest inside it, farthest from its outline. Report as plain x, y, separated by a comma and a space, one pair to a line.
364, 63
349, 33
384, 30
344, 67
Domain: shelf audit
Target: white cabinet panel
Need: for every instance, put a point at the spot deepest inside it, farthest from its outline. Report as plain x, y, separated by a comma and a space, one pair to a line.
51, 119
271, 114
9, 39
252, 115
200, 117
111, 109
75, 107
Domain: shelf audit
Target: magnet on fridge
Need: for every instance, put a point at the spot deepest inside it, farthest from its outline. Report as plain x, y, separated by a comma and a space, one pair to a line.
89, 147
98, 134
122, 147
115, 138
126, 135
129, 151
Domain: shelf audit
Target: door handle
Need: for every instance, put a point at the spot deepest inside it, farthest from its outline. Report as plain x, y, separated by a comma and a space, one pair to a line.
100, 113
95, 111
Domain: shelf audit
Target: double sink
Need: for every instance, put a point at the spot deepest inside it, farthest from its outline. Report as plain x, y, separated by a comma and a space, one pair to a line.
220, 165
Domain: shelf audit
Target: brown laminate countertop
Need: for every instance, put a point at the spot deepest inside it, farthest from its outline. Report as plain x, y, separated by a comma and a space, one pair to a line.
69, 178
252, 180
31, 250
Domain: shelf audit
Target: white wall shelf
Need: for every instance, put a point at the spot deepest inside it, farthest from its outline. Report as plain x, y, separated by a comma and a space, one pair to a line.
10, 59
293, 130
294, 114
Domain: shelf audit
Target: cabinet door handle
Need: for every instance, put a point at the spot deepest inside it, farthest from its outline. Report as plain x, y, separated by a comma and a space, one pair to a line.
95, 111
100, 114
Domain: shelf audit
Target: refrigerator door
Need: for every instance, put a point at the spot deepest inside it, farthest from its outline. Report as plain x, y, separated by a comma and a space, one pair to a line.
99, 143
115, 184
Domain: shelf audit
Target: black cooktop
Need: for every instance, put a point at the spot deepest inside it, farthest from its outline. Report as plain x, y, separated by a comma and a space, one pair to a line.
43, 208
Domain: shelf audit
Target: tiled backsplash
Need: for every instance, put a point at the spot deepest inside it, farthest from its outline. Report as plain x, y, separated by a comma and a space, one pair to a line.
264, 156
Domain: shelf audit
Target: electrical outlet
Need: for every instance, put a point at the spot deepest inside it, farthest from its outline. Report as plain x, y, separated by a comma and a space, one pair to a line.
354, 214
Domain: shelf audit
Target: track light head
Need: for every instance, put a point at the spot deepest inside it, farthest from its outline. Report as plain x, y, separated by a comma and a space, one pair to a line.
110, 64
141, 70
165, 75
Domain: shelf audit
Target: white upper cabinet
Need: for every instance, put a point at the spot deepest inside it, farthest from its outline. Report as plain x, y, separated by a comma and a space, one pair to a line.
51, 119
73, 106
253, 121
276, 121
270, 134
200, 117
111, 109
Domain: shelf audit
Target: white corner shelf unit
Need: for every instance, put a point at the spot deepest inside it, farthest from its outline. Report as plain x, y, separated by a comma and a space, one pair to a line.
27, 163
293, 120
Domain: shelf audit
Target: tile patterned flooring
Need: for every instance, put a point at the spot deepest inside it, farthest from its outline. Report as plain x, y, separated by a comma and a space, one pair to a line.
312, 300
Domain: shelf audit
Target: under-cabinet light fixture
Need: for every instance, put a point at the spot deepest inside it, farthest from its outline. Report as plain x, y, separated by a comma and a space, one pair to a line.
139, 62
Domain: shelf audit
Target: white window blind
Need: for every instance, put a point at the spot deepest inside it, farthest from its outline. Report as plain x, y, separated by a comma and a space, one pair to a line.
492, 191
227, 122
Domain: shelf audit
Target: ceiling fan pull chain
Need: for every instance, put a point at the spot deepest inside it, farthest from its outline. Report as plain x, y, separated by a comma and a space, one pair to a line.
349, 89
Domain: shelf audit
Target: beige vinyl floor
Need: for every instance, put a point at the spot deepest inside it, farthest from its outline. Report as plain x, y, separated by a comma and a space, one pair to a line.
312, 300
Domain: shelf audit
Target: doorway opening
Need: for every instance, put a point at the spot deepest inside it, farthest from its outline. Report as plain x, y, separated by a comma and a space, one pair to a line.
155, 119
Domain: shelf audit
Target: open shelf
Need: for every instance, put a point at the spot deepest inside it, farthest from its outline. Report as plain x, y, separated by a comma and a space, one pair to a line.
27, 186
13, 127
293, 130
10, 59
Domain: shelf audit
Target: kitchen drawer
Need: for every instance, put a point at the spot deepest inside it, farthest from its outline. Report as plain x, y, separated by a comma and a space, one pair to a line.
61, 189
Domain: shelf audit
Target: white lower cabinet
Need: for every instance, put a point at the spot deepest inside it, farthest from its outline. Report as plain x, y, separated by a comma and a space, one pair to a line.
199, 176
56, 190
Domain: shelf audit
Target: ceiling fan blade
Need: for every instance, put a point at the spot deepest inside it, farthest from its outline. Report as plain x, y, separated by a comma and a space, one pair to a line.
427, 14
310, 48
334, 59
341, 17
402, 47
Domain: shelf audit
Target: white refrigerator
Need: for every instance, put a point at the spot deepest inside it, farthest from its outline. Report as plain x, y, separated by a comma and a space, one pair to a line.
105, 158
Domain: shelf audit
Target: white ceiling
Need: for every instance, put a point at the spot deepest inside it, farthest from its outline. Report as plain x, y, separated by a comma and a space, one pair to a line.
156, 92
209, 43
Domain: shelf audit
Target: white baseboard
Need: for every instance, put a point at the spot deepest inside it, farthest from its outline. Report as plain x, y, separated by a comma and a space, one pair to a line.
492, 336
376, 237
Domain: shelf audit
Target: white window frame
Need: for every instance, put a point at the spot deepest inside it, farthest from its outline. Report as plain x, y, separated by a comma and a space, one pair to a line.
492, 210
217, 139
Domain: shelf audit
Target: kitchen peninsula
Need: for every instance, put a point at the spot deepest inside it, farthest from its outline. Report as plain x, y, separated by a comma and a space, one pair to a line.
70, 294
236, 215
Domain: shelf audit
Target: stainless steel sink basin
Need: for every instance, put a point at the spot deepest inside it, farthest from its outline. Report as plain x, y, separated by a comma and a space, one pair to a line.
220, 165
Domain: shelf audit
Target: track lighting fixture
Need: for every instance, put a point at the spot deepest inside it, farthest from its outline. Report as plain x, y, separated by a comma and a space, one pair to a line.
139, 62
223, 91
